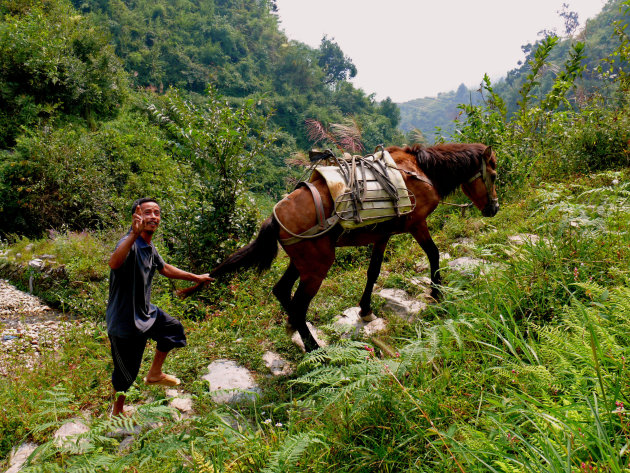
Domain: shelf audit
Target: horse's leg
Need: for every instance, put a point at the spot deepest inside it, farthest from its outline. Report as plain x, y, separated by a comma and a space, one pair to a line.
282, 289
312, 260
378, 250
305, 292
422, 236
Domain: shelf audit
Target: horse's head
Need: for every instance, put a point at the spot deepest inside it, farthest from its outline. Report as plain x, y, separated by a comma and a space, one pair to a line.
480, 187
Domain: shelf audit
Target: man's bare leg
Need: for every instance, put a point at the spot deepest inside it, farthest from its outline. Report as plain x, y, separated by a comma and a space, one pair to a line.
155, 374
118, 405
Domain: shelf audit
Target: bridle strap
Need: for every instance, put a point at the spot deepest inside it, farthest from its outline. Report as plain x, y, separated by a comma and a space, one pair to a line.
483, 173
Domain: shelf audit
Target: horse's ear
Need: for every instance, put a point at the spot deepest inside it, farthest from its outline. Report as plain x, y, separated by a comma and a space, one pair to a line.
488, 152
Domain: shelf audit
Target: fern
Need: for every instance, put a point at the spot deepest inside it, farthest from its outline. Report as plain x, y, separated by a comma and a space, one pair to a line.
200, 463
54, 405
287, 458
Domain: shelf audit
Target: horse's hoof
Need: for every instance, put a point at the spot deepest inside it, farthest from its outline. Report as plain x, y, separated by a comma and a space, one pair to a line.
369, 317
290, 329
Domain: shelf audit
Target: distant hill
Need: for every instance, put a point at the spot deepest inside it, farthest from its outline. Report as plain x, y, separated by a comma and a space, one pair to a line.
431, 113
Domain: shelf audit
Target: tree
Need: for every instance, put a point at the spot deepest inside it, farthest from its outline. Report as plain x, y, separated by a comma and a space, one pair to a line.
336, 66
390, 110
571, 19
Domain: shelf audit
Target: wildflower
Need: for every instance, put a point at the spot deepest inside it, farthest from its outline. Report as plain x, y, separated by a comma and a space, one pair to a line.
575, 273
267, 421
368, 348
397, 355
278, 424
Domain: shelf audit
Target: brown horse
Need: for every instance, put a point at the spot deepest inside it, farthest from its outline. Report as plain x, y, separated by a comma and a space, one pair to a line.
430, 174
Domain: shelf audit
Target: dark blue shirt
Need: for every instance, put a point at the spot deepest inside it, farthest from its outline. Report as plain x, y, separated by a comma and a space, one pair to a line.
129, 310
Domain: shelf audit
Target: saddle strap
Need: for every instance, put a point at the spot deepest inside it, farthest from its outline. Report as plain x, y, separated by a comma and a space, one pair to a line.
323, 224
319, 205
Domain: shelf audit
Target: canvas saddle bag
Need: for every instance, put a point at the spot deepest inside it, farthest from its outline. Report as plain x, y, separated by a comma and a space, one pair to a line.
366, 189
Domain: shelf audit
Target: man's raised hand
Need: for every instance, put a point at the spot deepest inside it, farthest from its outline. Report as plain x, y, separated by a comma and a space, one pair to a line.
137, 224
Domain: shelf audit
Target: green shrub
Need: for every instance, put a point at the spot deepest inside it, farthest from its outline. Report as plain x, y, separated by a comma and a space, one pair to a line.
221, 145
52, 59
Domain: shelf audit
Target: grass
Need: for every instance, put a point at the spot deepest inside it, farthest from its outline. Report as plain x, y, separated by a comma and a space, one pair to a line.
521, 368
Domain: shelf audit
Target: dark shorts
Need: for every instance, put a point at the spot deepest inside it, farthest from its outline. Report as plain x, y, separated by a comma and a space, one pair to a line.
127, 353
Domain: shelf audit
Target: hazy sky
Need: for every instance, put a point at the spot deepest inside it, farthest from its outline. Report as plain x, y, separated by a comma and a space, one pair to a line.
408, 49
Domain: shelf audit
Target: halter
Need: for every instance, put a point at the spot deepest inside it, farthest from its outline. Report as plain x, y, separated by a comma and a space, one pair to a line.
483, 173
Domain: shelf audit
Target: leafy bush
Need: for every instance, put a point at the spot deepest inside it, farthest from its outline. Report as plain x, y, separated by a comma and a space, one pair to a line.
549, 137
221, 144
53, 59
54, 178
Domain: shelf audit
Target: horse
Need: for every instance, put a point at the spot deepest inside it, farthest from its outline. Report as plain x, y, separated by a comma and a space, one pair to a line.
430, 174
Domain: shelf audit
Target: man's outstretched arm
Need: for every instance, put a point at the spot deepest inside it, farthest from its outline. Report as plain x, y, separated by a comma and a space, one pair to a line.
172, 272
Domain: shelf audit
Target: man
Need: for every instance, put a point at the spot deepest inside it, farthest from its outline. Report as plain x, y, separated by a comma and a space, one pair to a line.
131, 318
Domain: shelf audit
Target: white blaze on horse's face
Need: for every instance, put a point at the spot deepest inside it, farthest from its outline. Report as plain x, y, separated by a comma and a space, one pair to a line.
480, 188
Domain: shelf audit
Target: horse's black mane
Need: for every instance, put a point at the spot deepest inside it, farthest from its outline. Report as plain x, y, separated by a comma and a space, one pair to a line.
448, 165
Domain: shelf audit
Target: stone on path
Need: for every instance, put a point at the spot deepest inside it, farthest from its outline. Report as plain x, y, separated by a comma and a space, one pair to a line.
230, 382
466, 265
522, 238
66, 435
19, 456
401, 304
181, 401
352, 320
276, 364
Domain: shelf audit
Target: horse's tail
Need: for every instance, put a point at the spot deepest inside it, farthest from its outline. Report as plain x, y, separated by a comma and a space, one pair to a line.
260, 253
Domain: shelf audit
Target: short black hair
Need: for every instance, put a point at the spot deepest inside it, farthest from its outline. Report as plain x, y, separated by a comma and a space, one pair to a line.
142, 201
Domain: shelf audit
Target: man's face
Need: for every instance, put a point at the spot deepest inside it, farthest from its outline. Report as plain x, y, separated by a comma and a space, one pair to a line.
151, 214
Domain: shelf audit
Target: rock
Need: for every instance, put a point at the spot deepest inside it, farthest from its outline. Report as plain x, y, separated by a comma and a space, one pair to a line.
522, 238
66, 434
37, 264
466, 265
18, 457
401, 304
230, 382
74, 427
276, 364
121, 433
182, 404
172, 393
466, 242
352, 320
424, 283
126, 443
